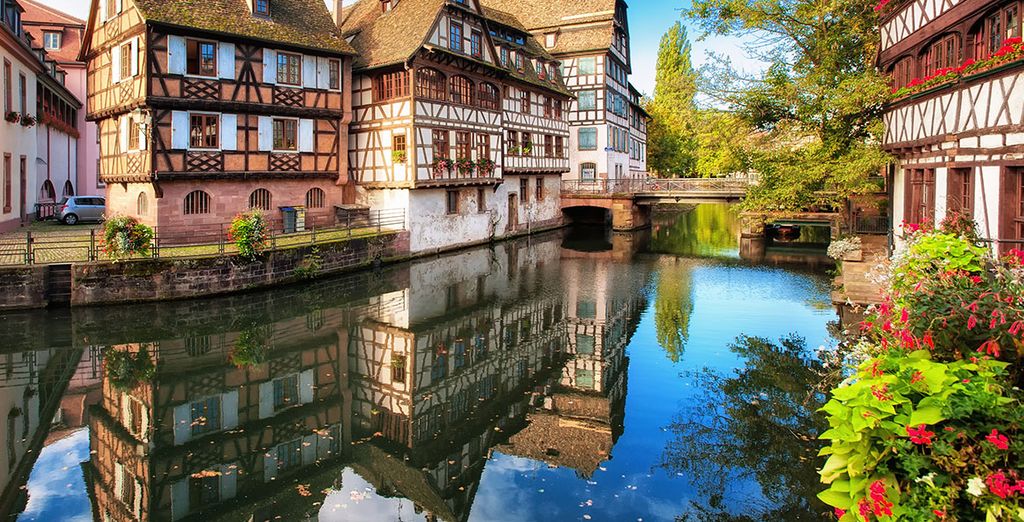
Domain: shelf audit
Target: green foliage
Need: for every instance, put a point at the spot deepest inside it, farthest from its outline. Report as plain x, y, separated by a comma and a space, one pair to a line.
250, 233
253, 345
125, 369
672, 143
310, 266
124, 237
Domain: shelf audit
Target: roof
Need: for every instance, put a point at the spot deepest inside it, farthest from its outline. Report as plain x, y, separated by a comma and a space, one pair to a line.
36, 12
582, 25
392, 37
300, 23
38, 15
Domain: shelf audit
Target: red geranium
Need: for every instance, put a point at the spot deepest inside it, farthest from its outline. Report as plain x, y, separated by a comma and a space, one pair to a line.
920, 435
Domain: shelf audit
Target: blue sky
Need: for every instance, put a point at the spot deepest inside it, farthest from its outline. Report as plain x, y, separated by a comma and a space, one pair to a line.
648, 21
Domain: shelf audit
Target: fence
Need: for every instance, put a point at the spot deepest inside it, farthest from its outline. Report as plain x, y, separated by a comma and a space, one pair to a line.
45, 211
653, 186
871, 225
43, 248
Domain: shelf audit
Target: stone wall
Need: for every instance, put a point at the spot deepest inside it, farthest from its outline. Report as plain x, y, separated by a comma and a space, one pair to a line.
22, 287
160, 280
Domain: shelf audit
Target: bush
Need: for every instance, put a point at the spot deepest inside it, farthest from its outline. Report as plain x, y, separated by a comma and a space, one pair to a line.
843, 247
250, 233
126, 369
124, 237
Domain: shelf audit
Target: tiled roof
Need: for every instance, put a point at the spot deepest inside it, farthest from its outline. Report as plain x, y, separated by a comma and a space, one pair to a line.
37, 17
36, 12
301, 23
539, 14
388, 38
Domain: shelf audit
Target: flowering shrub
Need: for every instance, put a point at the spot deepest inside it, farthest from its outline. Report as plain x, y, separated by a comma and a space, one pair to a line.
442, 166
249, 232
465, 166
930, 426
124, 237
843, 247
1011, 50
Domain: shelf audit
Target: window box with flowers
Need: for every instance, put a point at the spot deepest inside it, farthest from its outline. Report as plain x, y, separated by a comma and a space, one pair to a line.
399, 156
12, 117
1011, 51
58, 125
28, 120
442, 167
465, 167
485, 167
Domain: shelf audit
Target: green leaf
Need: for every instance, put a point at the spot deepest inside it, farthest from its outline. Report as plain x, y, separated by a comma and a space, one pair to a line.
927, 415
836, 499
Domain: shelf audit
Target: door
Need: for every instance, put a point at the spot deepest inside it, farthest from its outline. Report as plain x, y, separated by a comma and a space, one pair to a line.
23, 190
513, 213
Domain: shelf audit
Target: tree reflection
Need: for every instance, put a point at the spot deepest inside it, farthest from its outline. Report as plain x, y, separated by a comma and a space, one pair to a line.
759, 424
673, 307
709, 230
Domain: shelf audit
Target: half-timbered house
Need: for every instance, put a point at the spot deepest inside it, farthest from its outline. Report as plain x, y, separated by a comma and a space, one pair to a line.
956, 121
591, 39
638, 119
204, 115
439, 90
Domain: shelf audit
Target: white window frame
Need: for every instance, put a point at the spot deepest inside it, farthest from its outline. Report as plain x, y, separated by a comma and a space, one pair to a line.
48, 35
216, 56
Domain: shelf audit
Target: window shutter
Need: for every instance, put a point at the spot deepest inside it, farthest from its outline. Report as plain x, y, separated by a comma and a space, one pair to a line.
266, 137
323, 75
176, 55
267, 400
306, 387
119, 6
179, 130
125, 407
269, 66
229, 410
103, 12
228, 132
306, 138
179, 499
308, 449
309, 72
145, 424
115, 63
228, 481
118, 479
226, 60
182, 423
123, 124
270, 464
135, 56
137, 497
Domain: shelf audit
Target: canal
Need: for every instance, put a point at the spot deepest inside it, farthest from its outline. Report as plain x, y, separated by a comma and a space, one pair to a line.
578, 375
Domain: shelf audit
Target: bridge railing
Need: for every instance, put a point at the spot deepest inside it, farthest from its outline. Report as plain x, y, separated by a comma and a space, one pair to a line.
655, 186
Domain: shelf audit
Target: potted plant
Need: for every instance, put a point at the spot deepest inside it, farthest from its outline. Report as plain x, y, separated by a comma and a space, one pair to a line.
442, 166
513, 150
486, 167
124, 237
27, 120
12, 117
465, 166
527, 149
398, 156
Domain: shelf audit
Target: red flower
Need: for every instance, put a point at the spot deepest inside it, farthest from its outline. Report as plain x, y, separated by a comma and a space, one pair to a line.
972, 322
881, 392
920, 435
928, 340
991, 347
999, 485
939, 513
880, 505
840, 513
864, 508
998, 440
916, 378
1016, 256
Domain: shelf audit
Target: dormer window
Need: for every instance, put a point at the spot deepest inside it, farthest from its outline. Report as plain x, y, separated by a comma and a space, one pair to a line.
386, 5
261, 7
51, 40
550, 39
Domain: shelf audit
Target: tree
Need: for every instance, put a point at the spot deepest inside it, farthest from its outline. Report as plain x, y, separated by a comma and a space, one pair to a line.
672, 140
818, 103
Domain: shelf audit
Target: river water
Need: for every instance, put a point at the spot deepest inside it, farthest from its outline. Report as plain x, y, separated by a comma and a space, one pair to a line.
579, 375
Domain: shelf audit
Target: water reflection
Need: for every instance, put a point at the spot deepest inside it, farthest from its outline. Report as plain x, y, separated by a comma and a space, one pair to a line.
528, 381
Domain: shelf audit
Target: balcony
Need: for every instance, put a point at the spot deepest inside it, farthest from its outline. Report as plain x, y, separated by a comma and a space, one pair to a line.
447, 173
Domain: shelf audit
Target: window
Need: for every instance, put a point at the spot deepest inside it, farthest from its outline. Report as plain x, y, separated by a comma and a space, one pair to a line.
559, 147
388, 86
204, 489
198, 345
289, 455
463, 146
588, 171
920, 198
112, 8
397, 368
442, 147
126, 60
588, 138
549, 146
539, 190
261, 7
524, 102
527, 144
134, 416
461, 90
481, 200
455, 37
1001, 25
903, 72
141, 204
1012, 211
960, 192
524, 190
127, 493
549, 107
398, 148
513, 143
431, 84
134, 130
286, 134
289, 69
8, 88
206, 416
47, 192
587, 100
334, 76
201, 58
945, 53
286, 392
558, 109
504, 56
23, 93
588, 66
316, 198
260, 199
197, 202
51, 40
203, 131
452, 200
8, 183
488, 96
476, 44
483, 147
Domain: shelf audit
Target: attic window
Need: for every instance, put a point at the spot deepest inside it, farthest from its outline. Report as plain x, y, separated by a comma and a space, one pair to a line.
261, 7
549, 40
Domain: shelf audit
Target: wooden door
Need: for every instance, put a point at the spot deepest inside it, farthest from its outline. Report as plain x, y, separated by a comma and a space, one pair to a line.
513, 213
1012, 210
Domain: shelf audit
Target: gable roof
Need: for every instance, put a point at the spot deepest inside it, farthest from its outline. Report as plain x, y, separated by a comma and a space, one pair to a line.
300, 23
582, 25
38, 15
392, 37
36, 12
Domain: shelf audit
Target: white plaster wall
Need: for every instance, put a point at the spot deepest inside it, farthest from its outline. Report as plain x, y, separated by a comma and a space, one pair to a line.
986, 200
18, 141
941, 194
432, 228
578, 157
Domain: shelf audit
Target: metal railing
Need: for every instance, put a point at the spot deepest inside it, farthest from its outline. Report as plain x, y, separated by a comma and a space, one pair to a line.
653, 186
871, 225
81, 245
45, 211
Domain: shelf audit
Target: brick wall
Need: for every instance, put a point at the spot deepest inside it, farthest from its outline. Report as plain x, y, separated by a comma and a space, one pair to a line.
156, 280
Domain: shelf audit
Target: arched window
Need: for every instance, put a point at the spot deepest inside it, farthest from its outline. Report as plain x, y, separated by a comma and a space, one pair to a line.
315, 198
903, 71
142, 204
431, 84
1000, 25
944, 53
260, 199
489, 97
69, 189
197, 202
47, 193
461, 90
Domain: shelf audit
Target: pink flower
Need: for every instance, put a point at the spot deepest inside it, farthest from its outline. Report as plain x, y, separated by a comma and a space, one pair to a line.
990, 347
999, 485
998, 440
920, 435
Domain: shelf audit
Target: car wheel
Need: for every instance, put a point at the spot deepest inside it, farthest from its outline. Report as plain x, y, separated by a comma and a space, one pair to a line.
71, 219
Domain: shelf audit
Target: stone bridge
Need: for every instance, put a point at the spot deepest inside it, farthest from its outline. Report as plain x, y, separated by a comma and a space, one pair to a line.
629, 201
